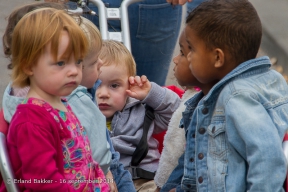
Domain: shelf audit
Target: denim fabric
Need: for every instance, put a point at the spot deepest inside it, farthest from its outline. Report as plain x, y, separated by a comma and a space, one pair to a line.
121, 176
154, 29
234, 136
174, 181
192, 5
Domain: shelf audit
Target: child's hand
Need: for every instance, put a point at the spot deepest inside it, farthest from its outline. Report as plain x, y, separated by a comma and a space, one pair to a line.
139, 87
173, 190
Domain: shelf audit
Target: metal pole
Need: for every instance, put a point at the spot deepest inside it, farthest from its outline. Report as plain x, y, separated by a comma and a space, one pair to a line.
125, 22
102, 18
5, 166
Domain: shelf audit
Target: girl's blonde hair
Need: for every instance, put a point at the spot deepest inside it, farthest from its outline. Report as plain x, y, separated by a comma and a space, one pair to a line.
93, 36
34, 31
114, 52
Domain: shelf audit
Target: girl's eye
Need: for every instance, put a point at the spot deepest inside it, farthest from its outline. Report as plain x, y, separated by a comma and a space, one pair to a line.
60, 63
114, 86
181, 53
79, 61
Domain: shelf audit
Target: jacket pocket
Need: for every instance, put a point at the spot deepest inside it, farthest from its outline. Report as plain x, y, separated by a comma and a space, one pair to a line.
157, 22
217, 141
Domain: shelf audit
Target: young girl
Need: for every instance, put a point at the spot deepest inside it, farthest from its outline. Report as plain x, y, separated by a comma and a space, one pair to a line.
174, 140
46, 142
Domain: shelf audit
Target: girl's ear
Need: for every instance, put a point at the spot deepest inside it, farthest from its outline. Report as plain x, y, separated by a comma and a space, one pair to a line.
28, 71
219, 58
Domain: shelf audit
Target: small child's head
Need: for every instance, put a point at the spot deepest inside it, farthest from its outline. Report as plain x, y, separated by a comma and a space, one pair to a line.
91, 63
221, 34
48, 47
15, 16
181, 69
118, 66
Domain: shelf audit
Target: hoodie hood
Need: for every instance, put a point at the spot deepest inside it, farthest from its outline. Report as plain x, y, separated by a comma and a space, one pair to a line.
10, 103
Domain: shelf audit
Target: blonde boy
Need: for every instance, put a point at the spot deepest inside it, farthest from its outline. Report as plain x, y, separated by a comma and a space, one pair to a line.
122, 97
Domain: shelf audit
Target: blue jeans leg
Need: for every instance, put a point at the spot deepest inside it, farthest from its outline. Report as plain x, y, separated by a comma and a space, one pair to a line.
154, 29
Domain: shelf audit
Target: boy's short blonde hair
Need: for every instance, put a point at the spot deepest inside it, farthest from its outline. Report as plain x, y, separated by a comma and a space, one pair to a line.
114, 52
34, 31
92, 34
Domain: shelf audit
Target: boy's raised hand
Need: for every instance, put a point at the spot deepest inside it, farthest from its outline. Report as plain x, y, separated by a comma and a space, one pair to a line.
139, 87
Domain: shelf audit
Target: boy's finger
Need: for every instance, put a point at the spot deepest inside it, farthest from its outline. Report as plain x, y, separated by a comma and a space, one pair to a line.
130, 93
131, 80
138, 80
144, 78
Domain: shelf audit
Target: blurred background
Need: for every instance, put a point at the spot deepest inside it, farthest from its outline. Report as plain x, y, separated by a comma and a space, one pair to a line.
273, 14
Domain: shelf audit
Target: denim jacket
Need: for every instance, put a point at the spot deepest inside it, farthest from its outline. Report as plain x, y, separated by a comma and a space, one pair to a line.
234, 134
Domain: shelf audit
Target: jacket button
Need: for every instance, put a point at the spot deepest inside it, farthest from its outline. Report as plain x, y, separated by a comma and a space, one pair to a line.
200, 179
201, 131
205, 111
191, 159
193, 136
200, 156
213, 129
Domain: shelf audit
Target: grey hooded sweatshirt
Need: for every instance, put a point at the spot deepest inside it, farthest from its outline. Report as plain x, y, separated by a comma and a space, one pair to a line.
127, 125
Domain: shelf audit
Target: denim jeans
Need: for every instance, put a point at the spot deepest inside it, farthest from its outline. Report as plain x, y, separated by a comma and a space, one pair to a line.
154, 29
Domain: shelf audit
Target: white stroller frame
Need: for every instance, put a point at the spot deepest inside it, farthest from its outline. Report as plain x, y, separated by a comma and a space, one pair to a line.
5, 166
105, 14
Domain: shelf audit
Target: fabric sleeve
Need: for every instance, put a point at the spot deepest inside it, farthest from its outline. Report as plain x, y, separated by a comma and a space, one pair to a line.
252, 132
37, 152
174, 180
164, 102
3, 123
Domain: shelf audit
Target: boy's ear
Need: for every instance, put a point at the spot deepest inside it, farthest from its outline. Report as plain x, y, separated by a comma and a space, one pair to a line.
219, 58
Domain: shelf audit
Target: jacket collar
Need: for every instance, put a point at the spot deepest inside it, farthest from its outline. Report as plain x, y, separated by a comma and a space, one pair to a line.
247, 68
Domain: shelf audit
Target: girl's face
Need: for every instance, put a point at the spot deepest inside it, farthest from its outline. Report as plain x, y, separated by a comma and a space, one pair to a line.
111, 94
50, 79
181, 68
91, 69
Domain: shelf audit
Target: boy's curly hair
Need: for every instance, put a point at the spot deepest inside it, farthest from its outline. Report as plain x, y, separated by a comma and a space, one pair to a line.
231, 25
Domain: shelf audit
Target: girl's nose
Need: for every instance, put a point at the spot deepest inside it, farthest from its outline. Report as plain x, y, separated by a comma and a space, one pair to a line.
74, 69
